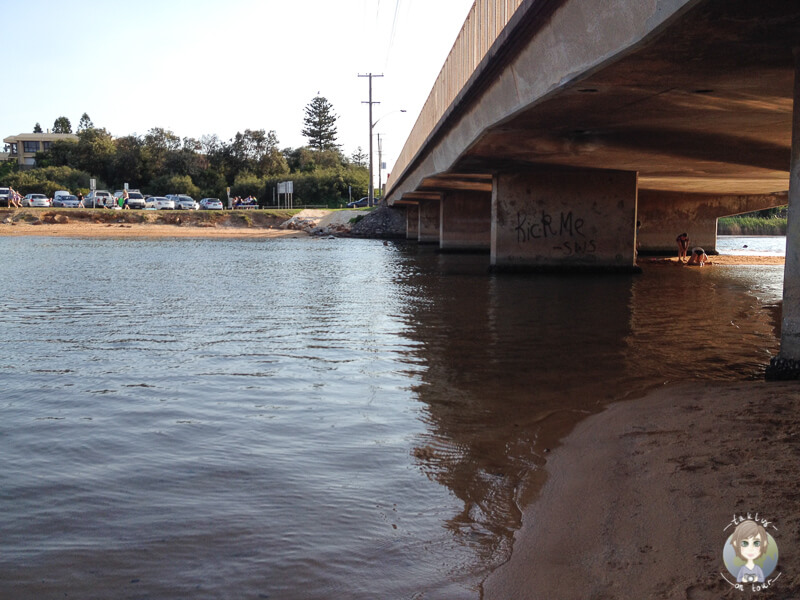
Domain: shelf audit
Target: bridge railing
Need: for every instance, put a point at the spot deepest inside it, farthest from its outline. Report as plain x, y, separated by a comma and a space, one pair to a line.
483, 25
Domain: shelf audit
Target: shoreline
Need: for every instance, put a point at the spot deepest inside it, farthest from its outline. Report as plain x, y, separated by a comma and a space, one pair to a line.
639, 495
230, 225
142, 230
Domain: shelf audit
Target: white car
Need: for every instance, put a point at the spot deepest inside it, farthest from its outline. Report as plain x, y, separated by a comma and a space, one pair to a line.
183, 202
211, 204
36, 200
135, 199
160, 203
98, 199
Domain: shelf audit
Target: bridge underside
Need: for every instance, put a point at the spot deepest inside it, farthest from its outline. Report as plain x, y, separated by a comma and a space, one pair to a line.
703, 106
598, 127
701, 109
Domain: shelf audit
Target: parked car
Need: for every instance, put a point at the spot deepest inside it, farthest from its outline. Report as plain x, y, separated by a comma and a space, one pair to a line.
362, 202
4, 196
211, 204
68, 201
160, 203
183, 202
135, 198
98, 199
36, 200
58, 194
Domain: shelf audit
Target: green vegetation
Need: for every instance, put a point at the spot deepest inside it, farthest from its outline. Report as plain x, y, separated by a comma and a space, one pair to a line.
159, 163
771, 221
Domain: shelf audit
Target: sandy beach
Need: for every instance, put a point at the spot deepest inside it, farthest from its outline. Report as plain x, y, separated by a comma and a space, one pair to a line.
639, 497
91, 229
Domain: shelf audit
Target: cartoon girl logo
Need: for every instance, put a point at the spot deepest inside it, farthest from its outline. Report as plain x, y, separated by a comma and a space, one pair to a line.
750, 553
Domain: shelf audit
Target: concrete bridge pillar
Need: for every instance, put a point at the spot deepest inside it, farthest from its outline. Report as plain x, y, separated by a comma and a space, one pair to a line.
564, 220
665, 215
412, 222
465, 221
429, 222
787, 364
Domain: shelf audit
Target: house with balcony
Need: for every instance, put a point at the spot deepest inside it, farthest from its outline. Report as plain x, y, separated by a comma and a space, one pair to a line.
23, 147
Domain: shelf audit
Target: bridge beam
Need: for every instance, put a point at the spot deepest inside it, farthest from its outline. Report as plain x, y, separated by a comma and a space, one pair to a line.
429, 226
564, 220
465, 221
665, 215
787, 364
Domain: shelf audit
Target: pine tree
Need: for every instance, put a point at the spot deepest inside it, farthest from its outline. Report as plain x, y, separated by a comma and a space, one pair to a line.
62, 125
320, 125
85, 123
37, 128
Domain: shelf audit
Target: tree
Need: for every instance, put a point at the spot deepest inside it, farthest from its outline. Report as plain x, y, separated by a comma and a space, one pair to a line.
320, 125
37, 128
94, 153
62, 125
360, 158
255, 151
85, 123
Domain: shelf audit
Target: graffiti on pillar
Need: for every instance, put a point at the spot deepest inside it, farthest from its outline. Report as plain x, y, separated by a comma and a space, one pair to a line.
564, 229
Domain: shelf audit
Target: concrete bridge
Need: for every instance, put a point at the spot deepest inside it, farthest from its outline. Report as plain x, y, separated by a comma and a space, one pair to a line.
564, 134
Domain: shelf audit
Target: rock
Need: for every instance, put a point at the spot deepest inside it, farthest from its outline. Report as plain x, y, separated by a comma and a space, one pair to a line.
383, 222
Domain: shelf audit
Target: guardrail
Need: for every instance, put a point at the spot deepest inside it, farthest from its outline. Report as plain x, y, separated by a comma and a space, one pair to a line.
483, 26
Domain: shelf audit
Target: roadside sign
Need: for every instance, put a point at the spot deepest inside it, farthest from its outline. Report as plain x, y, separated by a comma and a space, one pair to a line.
93, 184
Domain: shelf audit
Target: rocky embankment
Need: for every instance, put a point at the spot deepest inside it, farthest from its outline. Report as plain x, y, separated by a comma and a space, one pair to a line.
383, 222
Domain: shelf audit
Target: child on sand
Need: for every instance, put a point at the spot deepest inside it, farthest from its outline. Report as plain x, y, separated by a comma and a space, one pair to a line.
698, 258
683, 245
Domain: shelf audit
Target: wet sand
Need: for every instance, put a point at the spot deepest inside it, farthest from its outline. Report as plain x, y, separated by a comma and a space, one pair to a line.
83, 229
639, 496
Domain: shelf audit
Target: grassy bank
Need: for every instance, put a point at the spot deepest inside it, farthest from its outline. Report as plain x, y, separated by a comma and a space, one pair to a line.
199, 218
744, 225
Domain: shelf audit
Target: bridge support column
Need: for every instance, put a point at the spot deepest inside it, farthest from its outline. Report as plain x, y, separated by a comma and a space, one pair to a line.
429, 221
564, 220
465, 221
787, 364
412, 222
665, 215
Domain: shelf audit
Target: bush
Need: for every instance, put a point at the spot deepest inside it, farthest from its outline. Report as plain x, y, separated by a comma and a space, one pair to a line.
747, 225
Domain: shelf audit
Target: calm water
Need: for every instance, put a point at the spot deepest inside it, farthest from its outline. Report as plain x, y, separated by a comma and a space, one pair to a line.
308, 418
757, 245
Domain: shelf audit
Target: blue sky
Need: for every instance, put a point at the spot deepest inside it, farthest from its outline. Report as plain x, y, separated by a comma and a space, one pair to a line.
201, 67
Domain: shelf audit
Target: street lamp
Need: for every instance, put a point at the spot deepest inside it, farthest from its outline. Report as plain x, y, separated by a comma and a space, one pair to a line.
371, 199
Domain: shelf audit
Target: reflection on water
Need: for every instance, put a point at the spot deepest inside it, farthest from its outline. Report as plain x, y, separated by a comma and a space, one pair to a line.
514, 362
314, 418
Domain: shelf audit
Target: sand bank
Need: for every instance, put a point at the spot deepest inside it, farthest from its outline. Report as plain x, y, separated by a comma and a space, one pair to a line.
84, 229
639, 496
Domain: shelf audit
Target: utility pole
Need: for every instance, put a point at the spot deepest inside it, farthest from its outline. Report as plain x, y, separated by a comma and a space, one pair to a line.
370, 102
380, 166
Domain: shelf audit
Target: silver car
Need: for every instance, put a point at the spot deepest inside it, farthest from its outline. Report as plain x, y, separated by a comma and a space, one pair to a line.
68, 201
183, 202
98, 199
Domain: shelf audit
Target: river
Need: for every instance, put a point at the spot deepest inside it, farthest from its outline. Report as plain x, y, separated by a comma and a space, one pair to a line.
315, 418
